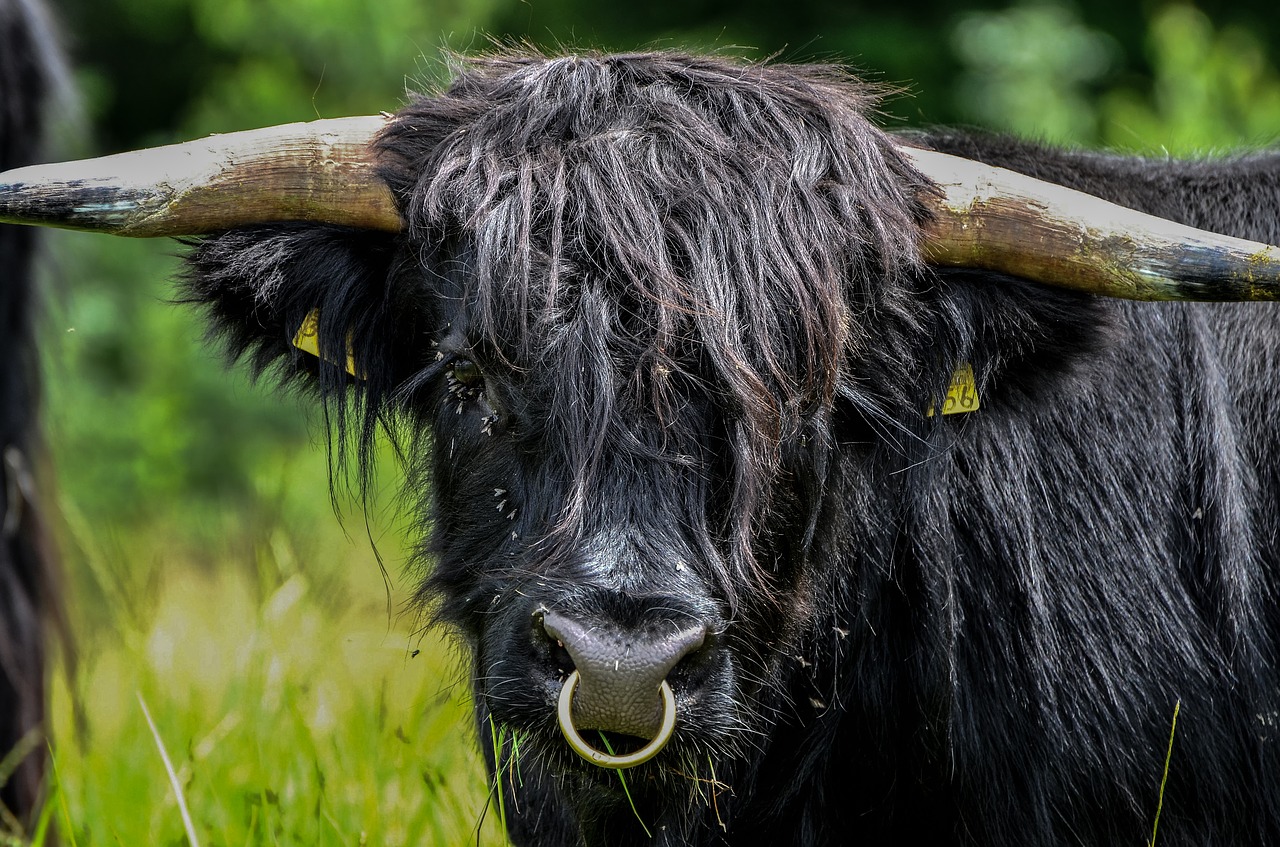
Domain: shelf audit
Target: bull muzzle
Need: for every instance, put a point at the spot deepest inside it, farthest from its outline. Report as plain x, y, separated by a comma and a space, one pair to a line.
619, 682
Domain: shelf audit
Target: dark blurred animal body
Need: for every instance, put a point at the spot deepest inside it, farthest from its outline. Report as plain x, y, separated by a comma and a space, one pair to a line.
662, 348
28, 56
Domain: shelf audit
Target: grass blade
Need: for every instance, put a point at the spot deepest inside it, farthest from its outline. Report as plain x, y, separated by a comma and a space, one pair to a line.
173, 776
623, 779
46, 815
515, 758
499, 740
1164, 779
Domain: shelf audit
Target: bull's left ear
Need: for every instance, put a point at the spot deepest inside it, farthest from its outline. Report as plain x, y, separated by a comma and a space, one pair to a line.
304, 300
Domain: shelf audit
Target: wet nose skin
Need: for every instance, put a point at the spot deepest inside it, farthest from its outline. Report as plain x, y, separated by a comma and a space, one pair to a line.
620, 670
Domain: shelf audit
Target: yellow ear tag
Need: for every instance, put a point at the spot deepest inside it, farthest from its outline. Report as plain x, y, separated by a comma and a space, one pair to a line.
962, 395
307, 339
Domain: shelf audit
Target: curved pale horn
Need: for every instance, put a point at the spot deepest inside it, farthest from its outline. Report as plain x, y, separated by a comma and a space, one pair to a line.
994, 219
317, 171
987, 217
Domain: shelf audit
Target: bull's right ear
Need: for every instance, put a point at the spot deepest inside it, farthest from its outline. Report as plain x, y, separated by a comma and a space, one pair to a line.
259, 282
304, 300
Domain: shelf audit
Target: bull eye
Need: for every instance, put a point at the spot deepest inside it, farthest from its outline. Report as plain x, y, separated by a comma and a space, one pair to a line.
467, 373
465, 382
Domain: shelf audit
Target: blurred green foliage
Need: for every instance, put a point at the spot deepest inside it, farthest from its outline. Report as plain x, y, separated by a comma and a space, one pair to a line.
1036, 69
191, 499
1213, 89
1029, 70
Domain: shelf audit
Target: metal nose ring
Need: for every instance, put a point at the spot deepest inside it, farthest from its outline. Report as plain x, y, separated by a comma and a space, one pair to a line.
608, 760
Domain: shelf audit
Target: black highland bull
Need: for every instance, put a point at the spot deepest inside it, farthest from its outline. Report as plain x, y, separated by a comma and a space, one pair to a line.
663, 338
28, 59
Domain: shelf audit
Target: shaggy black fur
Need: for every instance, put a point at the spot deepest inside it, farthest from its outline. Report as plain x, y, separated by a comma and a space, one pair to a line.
657, 344
26, 589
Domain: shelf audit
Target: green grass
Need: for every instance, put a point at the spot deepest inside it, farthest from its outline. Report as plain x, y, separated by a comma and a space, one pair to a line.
287, 695
207, 576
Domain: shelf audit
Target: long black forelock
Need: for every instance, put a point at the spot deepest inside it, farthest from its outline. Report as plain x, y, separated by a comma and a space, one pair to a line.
733, 213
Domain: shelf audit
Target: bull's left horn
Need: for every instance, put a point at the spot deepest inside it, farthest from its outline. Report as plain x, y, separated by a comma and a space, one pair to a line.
318, 171
994, 219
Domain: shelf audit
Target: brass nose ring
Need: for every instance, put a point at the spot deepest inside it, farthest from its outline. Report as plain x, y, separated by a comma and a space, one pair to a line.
608, 760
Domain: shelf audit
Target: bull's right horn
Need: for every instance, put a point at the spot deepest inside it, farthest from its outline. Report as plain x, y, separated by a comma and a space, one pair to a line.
322, 171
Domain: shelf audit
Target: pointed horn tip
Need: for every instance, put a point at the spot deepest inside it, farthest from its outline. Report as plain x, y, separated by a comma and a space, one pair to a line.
991, 218
320, 171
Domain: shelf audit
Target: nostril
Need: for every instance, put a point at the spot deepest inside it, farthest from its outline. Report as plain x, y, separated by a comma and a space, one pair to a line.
561, 657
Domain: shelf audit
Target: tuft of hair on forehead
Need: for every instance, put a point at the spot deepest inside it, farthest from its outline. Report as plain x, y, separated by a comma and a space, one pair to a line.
740, 218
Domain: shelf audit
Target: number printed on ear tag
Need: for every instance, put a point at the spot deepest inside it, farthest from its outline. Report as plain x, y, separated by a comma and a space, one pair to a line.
962, 395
